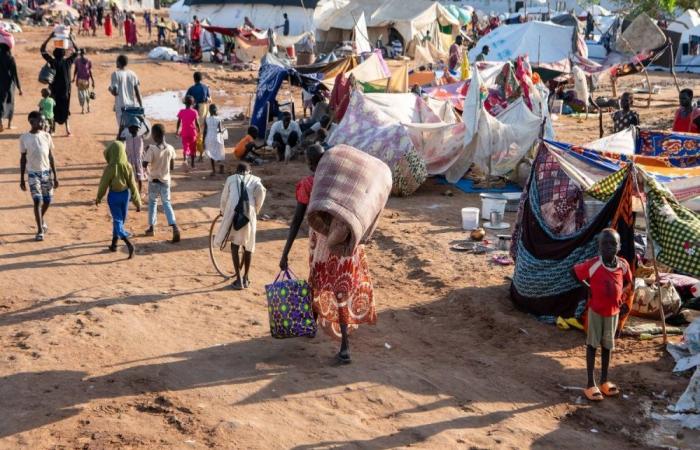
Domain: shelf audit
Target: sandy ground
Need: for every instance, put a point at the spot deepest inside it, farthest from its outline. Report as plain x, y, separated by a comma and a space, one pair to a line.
157, 352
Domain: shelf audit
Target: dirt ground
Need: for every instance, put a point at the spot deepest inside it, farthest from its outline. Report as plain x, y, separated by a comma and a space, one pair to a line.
157, 352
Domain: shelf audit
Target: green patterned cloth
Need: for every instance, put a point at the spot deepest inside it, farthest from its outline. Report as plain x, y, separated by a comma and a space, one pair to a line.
674, 229
605, 188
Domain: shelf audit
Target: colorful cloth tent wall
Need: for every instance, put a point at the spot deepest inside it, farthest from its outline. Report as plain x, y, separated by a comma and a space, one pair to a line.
552, 234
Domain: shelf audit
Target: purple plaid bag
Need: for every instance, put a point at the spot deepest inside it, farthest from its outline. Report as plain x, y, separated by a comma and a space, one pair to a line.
289, 306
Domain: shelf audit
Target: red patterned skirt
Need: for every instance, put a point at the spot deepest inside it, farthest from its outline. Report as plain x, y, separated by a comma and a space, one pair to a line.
342, 287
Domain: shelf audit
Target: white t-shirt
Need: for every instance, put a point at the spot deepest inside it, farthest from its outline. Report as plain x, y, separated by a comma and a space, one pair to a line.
278, 127
37, 147
125, 82
158, 159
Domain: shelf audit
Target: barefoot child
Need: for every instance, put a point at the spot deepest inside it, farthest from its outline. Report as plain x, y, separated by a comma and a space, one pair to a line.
118, 176
134, 150
214, 140
46, 105
188, 129
159, 159
36, 148
245, 191
608, 278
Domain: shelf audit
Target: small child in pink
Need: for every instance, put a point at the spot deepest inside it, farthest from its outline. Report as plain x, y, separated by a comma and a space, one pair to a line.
188, 129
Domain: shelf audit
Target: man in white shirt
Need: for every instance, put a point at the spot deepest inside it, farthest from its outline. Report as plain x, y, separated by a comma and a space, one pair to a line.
284, 136
124, 86
160, 160
36, 149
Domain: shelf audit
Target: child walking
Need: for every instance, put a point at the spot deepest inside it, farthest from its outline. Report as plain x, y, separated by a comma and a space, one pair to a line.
188, 129
608, 278
243, 193
214, 140
118, 176
134, 150
46, 105
159, 159
36, 148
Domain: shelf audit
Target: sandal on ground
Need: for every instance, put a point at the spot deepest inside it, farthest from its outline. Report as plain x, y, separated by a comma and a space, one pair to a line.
609, 389
237, 285
39, 237
45, 227
343, 358
246, 283
112, 248
593, 394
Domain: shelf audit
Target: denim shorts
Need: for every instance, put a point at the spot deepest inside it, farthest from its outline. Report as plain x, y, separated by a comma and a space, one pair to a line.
41, 185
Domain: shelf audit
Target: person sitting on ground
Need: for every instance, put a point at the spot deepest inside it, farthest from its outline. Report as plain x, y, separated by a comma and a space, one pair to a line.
46, 106
245, 149
118, 176
159, 160
284, 136
625, 117
610, 281
484, 53
686, 114
246, 192
36, 148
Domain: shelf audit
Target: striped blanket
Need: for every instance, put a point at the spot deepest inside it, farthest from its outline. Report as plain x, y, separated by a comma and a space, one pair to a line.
350, 191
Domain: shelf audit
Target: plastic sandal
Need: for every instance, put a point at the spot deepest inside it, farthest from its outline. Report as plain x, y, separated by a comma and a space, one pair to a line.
593, 394
609, 389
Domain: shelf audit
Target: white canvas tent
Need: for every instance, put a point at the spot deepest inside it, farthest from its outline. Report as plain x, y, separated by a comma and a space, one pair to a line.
685, 21
135, 5
231, 13
547, 45
334, 20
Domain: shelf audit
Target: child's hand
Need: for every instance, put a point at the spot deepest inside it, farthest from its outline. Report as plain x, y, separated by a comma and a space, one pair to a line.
55, 184
97, 202
22, 185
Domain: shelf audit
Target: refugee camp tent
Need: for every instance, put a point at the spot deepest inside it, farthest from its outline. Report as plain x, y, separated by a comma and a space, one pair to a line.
554, 230
231, 13
548, 46
689, 19
335, 19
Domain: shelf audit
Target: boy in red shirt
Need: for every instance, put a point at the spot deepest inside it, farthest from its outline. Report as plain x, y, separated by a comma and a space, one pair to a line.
608, 278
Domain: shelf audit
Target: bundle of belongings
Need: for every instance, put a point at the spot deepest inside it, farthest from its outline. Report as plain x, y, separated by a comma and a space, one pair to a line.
350, 191
687, 356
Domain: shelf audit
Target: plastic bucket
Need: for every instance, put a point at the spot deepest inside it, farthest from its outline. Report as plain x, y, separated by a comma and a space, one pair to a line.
291, 52
470, 218
492, 202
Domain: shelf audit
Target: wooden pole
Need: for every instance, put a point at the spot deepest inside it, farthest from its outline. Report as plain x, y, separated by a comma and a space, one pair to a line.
646, 74
673, 67
662, 315
613, 79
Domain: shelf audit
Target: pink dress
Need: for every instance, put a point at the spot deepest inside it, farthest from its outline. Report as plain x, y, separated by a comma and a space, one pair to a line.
133, 40
188, 130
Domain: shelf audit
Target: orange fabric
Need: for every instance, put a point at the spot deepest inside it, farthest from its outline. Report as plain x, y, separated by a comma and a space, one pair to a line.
239, 151
421, 78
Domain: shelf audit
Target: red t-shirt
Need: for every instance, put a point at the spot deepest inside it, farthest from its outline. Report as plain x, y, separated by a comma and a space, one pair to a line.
686, 124
304, 187
607, 285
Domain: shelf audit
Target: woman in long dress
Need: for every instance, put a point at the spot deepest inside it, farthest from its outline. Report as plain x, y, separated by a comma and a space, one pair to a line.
9, 83
214, 140
61, 85
108, 25
245, 237
342, 286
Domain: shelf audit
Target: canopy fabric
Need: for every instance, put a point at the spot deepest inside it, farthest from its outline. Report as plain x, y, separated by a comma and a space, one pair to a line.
331, 69
544, 254
250, 50
362, 44
372, 69
231, 14
374, 123
410, 19
547, 45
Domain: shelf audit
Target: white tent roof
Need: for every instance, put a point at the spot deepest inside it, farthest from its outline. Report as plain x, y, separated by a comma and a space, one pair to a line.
231, 15
408, 17
690, 19
543, 42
